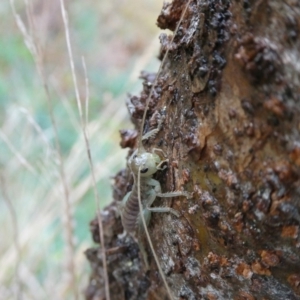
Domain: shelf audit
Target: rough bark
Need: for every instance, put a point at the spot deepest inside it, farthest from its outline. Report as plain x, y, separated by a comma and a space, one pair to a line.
230, 86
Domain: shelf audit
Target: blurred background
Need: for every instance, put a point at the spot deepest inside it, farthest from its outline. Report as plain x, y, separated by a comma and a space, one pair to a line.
47, 198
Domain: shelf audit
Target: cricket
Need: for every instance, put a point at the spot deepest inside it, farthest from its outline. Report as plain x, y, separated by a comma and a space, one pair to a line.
143, 165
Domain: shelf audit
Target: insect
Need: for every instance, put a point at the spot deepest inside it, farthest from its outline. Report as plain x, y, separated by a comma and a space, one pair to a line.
143, 165
136, 206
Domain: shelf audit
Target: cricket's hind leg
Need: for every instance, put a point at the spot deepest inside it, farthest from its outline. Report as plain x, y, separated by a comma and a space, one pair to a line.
147, 211
156, 192
152, 194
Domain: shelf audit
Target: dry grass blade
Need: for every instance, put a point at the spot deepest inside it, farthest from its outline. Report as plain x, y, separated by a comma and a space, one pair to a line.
99, 218
87, 97
12, 212
23, 161
26, 36
83, 125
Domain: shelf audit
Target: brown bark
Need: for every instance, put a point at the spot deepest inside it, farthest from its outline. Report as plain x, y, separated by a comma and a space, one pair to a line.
231, 91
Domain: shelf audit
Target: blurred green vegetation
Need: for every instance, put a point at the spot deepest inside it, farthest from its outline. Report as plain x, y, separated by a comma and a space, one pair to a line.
118, 39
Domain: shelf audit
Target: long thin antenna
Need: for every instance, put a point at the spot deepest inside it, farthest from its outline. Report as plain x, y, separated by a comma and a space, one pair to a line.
140, 146
149, 239
158, 74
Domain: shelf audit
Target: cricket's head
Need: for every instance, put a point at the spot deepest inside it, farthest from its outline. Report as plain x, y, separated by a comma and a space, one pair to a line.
145, 162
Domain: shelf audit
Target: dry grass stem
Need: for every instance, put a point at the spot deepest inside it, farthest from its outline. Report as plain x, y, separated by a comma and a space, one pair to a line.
16, 243
71, 60
87, 94
23, 161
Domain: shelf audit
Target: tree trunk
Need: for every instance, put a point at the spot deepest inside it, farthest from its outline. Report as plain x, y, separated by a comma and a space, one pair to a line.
230, 86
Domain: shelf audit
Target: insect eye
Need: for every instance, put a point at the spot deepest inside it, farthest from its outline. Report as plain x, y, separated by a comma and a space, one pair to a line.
144, 170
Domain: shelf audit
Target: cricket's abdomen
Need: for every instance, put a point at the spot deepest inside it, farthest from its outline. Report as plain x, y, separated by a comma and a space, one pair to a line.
131, 210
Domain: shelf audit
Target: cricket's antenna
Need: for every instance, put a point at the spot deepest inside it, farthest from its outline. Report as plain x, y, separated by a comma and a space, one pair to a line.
149, 238
157, 75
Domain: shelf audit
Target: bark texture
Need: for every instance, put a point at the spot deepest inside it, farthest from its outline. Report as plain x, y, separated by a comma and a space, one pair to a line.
230, 87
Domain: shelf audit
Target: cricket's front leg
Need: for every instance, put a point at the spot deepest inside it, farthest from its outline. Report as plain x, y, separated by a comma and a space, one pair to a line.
157, 192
